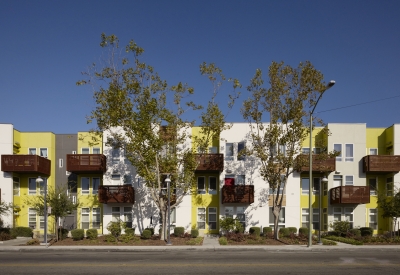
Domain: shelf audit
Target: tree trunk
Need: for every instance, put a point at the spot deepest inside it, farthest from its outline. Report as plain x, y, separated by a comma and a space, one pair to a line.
276, 211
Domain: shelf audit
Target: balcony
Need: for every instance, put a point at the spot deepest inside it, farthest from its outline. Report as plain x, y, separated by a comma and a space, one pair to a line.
238, 194
210, 162
349, 195
381, 164
86, 163
25, 164
318, 165
116, 194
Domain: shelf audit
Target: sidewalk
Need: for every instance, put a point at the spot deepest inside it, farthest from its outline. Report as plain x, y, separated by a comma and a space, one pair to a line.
210, 243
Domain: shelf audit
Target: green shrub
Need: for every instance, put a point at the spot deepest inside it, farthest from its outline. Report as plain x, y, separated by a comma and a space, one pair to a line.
179, 231
127, 237
64, 233
91, 234
21, 231
284, 231
267, 230
254, 230
115, 228
292, 230
151, 229
230, 225
146, 234
194, 233
303, 231
4, 236
344, 240
328, 242
33, 242
77, 234
355, 232
110, 238
130, 231
341, 226
223, 241
366, 231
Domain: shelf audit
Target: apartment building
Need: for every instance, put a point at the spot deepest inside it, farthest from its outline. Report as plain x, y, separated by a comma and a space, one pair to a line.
108, 187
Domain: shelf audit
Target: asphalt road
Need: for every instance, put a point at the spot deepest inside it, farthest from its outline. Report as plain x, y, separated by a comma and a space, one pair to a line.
202, 262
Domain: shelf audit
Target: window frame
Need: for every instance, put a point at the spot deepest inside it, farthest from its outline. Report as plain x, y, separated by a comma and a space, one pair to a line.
95, 190
31, 151
348, 180
372, 149
212, 214
212, 191
373, 225
241, 147
340, 156
85, 218
128, 216
31, 191
201, 224
282, 215
201, 191
16, 190
229, 151
32, 214
389, 186
373, 188
45, 150
84, 149
349, 158
85, 191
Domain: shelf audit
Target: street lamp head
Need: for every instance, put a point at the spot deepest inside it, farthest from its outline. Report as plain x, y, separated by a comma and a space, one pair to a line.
330, 84
39, 180
168, 180
324, 179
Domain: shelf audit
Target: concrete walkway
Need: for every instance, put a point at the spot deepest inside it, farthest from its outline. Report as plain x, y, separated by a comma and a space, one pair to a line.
210, 243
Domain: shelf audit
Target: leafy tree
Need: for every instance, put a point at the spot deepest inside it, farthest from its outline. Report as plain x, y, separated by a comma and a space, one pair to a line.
390, 206
145, 116
292, 94
58, 200
5, 208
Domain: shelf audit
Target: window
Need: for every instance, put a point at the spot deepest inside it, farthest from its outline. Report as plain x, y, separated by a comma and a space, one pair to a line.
128, 217
348, 215
96, 217
96, 150
317, 150
85, 151
115, 216
349, 180
41, 222
212, 218
229, 151
241, 179
338, 148
128, 179
42, 186
213, 150
201, 218
201, 185
337, 214
229, 180
241, 216
305, 151
280, 187
349, 153
32, 151
282, 150
305, 186
373, 218
85, 218
337, 180
173, 215
95, 185
325, 216
372, 187
60, 163
16, 186
325, 186
389, 186
316, 185
315, 218
32, 218
229, 212
305, 214
43, 152
281, 219
212, 188
32, 186
373, 151
116, 179
241, 147
85, 185
115, 155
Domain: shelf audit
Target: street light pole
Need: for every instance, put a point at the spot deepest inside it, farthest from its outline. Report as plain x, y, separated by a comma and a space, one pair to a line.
310, 180
168, 181
39, 181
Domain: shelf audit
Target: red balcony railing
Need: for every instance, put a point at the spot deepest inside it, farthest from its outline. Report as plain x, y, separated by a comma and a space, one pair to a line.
86, 163
116, 194
25, 164
318, 165
381, 164
238, 194
210, 162
350, 194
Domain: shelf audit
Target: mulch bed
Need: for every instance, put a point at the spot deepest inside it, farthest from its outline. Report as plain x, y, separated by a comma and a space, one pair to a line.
137, 241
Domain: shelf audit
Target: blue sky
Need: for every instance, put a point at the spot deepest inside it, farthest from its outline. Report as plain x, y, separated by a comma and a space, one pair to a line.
47, 44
